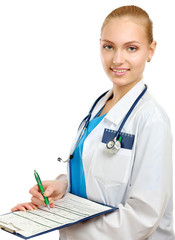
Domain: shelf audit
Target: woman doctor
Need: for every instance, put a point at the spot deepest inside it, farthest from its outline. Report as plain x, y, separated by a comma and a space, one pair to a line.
124, 156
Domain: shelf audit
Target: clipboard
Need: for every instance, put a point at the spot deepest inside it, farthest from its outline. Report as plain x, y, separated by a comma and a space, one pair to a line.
69, 210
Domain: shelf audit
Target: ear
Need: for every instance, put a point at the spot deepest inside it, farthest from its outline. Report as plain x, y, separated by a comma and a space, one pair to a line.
152, 49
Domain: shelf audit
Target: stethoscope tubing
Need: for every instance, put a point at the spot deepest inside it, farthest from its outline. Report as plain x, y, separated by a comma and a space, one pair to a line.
130, 110
88, 117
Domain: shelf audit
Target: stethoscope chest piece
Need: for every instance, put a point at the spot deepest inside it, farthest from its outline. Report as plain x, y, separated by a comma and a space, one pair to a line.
114, 145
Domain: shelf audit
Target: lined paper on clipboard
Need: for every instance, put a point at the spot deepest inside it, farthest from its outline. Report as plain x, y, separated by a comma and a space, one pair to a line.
69, 210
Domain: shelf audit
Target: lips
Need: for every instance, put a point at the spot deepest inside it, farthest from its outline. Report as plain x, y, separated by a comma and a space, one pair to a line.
119, 71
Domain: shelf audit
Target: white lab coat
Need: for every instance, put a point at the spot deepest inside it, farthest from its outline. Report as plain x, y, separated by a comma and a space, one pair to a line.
137, 181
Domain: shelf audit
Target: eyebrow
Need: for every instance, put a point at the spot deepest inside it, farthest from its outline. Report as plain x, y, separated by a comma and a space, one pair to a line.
104, 40
130, 42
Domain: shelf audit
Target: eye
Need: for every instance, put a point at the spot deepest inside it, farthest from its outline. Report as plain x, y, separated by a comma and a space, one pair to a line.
132, 49
108, 47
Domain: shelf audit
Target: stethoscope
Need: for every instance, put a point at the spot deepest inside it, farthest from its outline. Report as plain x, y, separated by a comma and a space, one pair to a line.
113, 145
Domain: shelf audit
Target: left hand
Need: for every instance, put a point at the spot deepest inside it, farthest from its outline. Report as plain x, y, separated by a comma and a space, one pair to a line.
24, 206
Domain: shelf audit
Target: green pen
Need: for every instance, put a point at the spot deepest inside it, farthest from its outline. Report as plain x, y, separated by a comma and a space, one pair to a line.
46, 200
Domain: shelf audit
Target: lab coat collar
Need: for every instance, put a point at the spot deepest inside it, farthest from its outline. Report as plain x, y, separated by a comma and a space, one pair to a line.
101, 103
120, 109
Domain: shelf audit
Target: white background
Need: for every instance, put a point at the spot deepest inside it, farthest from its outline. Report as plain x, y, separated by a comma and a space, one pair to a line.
50, 74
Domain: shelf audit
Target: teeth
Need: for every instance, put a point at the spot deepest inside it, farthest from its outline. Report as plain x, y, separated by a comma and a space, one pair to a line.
119, 71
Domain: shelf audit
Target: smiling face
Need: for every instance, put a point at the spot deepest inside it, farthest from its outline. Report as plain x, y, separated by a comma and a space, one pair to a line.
124, 51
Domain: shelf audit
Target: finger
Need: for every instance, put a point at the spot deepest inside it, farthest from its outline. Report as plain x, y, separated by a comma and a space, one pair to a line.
14, 209
24, 207
61, 195
29, 206
51, 202
35, 191
51, 189
52, 205
18, 207
33, 206
37, 201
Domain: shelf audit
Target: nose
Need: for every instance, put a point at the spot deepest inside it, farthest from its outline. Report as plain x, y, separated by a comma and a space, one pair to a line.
118, 57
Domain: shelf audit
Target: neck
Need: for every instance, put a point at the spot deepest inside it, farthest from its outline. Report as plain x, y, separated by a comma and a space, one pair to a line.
120, 91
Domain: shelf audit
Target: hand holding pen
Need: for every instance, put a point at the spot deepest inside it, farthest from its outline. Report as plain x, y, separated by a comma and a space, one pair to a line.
40, 185
54, 190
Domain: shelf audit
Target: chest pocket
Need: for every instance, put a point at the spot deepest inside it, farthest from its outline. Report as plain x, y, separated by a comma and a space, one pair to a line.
127, 139
111, 172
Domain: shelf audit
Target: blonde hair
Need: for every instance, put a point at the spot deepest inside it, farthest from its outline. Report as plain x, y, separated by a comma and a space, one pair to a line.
134, 12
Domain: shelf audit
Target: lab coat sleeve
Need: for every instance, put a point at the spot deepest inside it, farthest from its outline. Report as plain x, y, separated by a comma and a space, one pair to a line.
149, 192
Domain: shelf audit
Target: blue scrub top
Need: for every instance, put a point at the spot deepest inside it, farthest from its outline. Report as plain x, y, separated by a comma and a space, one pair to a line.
77, 177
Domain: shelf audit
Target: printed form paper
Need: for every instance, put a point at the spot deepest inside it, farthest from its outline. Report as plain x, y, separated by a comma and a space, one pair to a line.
68, 210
